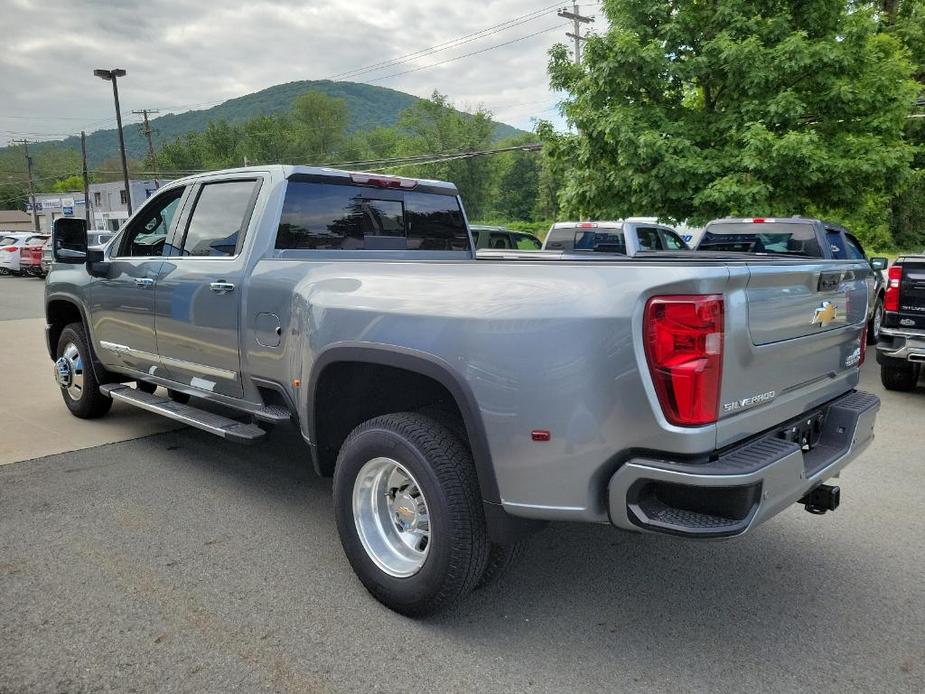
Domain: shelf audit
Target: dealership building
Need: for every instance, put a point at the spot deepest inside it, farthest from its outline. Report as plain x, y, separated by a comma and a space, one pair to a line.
108, 204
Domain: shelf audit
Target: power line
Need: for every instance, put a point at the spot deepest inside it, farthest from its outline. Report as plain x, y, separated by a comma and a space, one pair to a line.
452, 43
467, 55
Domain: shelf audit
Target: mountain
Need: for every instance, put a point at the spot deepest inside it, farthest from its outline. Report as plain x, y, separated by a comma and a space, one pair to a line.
369, 107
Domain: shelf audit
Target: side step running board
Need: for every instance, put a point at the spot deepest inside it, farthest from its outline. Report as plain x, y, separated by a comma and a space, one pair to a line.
213, 423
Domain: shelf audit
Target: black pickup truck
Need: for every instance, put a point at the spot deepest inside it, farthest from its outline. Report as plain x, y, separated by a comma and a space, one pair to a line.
801, 236
901, 348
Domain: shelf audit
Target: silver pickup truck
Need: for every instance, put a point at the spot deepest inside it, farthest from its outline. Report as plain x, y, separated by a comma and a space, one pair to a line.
459, 401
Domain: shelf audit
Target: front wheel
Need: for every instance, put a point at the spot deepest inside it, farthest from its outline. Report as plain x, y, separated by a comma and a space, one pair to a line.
74, 375
408, 511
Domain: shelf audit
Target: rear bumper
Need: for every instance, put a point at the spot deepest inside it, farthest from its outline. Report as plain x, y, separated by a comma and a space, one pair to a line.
900, 345
744, 486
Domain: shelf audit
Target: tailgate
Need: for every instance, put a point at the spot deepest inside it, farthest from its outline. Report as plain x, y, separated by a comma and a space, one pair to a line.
912, 294
790, 302
792, 343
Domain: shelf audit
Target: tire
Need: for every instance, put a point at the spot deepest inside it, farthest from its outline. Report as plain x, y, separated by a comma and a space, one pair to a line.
145, 387
902, 378
75, 376
419, 463
177, 396
500, 559
875, 322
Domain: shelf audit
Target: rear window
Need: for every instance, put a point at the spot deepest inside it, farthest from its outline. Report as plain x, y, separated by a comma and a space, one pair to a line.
791, 238
586, 239
8, 241
36, 240
332, 216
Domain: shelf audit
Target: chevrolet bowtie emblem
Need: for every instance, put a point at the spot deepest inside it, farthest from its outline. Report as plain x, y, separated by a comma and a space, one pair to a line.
825, 314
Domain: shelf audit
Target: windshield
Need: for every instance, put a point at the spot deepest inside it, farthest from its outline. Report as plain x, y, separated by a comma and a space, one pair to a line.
790, 238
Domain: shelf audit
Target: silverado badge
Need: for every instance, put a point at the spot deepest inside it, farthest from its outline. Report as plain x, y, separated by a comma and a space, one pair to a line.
825, 314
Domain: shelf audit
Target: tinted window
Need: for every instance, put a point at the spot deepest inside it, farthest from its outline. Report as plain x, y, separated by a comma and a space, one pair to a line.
836, 245
148, 231
500, 240
561, 239
793, 238
435, 223
217, 224
526, 242
649, 239
672, 241
854, 248
345, 217
602, 241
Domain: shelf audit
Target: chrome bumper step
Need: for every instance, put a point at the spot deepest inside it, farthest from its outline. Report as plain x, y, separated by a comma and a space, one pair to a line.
217, 424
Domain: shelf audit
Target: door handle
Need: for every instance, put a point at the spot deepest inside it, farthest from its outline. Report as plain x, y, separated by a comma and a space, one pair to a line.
144, 282
221, 287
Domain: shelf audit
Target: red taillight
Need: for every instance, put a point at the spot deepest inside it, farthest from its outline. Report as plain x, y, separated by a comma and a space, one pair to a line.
891, 296
587, 225
758, 220
684, 349
383, 181
9, 249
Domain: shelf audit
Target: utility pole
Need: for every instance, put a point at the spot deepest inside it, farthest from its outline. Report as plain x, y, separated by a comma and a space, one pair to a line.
577, 19
86, 175
146, 131
35, 213
113, 76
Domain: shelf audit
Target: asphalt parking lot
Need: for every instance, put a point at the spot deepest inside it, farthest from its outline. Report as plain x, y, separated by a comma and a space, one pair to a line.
179, 562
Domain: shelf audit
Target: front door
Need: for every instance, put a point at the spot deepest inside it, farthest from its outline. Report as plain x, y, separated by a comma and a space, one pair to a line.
200, 285
123, 300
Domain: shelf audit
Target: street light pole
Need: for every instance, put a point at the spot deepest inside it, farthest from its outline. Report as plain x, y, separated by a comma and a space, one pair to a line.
112, 76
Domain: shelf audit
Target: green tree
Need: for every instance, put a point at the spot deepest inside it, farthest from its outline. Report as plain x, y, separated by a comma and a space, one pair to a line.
435, 127
690, 110
518, 187
319, 123
70, 184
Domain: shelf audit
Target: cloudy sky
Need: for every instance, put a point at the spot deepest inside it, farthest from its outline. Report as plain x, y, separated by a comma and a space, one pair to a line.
190, 54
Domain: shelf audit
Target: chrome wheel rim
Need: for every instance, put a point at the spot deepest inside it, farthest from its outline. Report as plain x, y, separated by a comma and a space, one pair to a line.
69, 371
878, 320
391, 517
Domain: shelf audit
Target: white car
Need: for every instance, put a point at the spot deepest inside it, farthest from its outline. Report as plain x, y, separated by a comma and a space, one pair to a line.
11, 244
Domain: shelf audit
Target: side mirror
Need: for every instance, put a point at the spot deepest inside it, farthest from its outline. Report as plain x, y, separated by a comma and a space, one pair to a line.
69, 240
879, 263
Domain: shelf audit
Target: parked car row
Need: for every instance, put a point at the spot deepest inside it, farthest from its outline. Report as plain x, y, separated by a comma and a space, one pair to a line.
30, 255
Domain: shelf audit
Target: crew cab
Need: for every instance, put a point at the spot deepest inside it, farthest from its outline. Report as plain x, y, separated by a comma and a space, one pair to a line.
462, 400
901, 348
801, 236
625, 237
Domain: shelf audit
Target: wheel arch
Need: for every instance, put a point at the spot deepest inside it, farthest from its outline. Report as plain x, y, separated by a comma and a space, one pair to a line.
419, 364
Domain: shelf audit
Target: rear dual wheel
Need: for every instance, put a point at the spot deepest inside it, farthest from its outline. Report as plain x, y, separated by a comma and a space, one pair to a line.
408, 510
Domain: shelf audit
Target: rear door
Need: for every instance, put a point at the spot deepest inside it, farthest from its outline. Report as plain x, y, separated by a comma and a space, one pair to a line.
199, 287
